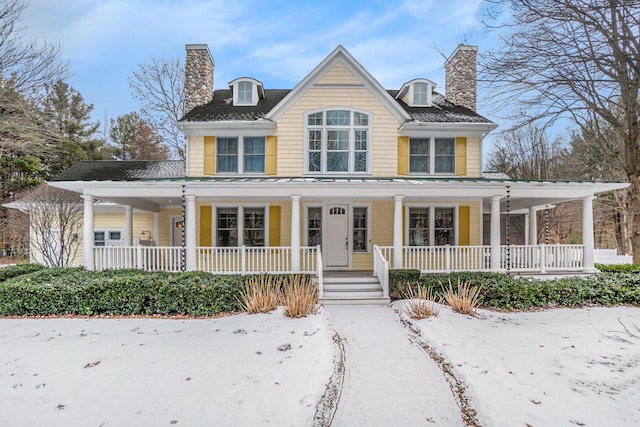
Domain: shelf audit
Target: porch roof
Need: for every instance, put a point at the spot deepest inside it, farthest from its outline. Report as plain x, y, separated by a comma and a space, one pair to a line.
151, 193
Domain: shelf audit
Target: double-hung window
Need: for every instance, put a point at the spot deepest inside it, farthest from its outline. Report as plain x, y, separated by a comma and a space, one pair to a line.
432, 226
240, 224
432, 155
245, 92
420, 93
240, 155
337, 141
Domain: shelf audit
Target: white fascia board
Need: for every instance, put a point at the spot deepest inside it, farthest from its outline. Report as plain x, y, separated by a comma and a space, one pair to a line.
229, 128
421, 129
339, 54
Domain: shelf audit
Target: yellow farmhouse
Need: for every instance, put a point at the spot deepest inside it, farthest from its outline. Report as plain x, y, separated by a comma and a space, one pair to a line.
335, 176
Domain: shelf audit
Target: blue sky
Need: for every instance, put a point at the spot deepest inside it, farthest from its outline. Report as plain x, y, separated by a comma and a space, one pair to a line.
277, 42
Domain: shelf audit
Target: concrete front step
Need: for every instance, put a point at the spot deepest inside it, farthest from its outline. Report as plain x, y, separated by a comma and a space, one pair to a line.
354, 301
352, 290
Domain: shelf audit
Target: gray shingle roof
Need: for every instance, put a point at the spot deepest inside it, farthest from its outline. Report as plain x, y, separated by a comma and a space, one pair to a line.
222, 109
113, 170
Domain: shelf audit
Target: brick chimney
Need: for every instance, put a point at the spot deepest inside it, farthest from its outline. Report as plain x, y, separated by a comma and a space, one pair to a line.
460, 76
198, 76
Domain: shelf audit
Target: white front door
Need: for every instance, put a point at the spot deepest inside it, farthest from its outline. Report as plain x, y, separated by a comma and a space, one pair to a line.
336, 236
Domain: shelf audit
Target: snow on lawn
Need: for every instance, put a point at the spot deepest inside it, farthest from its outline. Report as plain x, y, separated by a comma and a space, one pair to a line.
242, 370
560, 367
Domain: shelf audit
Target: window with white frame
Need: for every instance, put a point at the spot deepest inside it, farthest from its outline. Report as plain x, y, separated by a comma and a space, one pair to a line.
337, 141
432, 226
314, 226
420, 93
432, 155
240, 154
245, 92
240, 224
360, 229
107, 237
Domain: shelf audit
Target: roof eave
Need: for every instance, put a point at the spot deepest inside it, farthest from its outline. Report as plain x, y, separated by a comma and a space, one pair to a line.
458, 128
260, 127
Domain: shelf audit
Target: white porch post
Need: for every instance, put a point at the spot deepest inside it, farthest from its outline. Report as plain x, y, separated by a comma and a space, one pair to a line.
128, 226
587, 234
295, 234
495, 233
397, 231
190, 230
533, 227
156, 227
88, 236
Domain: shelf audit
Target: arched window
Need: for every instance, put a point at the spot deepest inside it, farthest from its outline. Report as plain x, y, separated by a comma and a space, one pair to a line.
337, 141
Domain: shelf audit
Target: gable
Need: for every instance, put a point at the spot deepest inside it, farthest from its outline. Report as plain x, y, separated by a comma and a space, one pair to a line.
339, 74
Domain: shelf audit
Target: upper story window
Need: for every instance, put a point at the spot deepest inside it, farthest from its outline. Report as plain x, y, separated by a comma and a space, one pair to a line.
240, 155
337, 141
246, 91
432, 155
417, 92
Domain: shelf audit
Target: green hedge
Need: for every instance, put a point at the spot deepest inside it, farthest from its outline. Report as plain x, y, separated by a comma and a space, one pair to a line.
501, 291
18, 270
58, 291
619, 268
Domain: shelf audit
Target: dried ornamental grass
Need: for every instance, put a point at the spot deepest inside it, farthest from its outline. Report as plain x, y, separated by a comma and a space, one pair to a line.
464, 299
421, 303
300, 296
261, 294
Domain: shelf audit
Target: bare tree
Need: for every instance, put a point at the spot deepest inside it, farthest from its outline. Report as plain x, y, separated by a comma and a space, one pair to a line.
26, 66
56, 223
576, 59
159, 88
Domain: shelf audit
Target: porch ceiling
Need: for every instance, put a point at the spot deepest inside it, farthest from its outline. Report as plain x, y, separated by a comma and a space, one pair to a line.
149, 195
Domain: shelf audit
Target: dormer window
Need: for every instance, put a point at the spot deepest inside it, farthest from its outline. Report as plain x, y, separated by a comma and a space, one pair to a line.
417, 93
246, 91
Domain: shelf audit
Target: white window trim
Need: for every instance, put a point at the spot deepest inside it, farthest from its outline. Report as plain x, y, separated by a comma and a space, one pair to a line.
106, 232
254, 92
240, 156
240, 207
369, 208
411, 99
323, 153
432, 157
432, 220
305, 220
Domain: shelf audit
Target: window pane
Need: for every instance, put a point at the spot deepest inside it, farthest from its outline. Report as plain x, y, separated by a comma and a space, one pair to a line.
419, 160
444, 226
359, 229
445, 146
315, 140
254, 154
338, 140
314, 161
245, 90
419, 146
254, 226
338, 118
315, 119
361, 140
360, 119
445, 164
419, 226
420, 93
445, 155
361, 162
227, 227
314, 226
99, 238
227, 155
115, 235
337, 161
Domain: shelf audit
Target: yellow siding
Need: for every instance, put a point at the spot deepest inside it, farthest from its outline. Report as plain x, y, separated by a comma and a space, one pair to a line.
474, 158
196, 156
274, 225
209, 162
461, 156
339, 74
403, 155
165, 225
205, 225
271, 164
291, 135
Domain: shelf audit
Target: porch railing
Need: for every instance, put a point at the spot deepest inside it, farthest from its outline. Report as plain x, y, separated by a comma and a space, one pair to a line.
381, 270
218, 260
517, 258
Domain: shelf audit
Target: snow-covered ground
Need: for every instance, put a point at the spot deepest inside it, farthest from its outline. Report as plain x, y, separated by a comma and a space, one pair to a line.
559, 367
243, 370
552, 368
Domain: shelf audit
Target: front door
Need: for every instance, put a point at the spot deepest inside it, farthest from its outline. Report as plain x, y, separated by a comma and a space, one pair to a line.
336, 247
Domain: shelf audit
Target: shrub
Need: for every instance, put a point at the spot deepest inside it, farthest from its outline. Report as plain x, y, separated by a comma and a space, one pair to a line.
18, 270
300, 296
464, 299
421, 303
261, 294
400, 281
619, 268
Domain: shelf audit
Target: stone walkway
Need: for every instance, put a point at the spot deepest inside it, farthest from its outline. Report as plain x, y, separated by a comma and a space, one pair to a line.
388, 380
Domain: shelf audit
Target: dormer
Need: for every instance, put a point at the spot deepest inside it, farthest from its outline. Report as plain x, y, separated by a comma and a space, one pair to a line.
417, 93
246, 91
